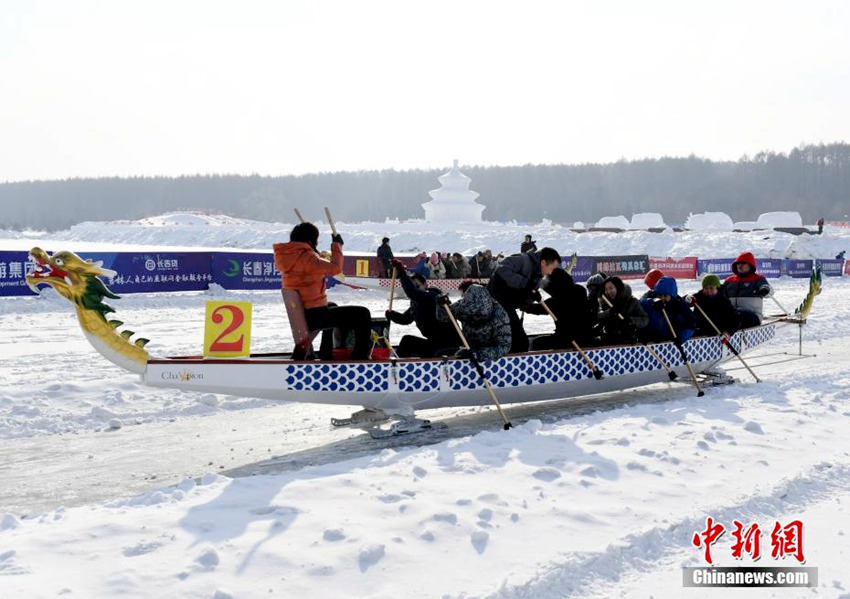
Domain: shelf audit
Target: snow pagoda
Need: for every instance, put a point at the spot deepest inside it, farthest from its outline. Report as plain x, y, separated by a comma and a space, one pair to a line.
453, 202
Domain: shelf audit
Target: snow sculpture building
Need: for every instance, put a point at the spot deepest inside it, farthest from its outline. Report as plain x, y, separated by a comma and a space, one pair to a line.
454, 202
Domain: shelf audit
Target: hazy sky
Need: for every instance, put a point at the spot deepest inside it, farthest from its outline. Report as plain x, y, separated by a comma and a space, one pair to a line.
171, 87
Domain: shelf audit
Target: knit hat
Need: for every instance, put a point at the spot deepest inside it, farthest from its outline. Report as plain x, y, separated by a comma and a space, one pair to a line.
652, 277
711, 281
666, 286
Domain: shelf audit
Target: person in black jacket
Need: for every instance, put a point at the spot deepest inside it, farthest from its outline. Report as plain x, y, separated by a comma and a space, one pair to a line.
621, 316
568, 303
514, 284
528, 245
385, 256
717, 308
422, 311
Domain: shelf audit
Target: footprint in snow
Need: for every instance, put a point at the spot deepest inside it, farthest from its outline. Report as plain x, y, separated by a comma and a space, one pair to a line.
479, 540
590, 471
370, 555
333, 534
445, 517
141, 548
753, 427
392, 498
546, 474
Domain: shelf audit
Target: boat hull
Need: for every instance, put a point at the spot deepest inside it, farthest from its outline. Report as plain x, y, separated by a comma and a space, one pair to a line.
405, 385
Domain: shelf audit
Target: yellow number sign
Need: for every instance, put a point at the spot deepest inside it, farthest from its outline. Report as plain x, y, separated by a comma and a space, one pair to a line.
227, 329
362, 268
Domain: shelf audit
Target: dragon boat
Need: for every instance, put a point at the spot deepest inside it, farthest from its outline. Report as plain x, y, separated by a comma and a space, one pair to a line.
394, 387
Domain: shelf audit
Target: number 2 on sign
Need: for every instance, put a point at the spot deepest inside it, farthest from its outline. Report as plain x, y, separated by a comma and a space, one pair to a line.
227, 329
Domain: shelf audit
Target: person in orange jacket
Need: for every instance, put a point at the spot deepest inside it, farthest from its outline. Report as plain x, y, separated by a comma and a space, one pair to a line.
304, 269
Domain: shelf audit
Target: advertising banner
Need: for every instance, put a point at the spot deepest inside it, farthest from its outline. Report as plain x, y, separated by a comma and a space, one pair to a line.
13, 271
245, 270
798, 269
583, 269
138, 272
678, 268
146, 272
770, 268
625, 267
722, 267
831, 268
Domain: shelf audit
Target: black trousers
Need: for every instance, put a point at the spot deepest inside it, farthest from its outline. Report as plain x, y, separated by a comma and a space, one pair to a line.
749, 319
511, 299
348, 318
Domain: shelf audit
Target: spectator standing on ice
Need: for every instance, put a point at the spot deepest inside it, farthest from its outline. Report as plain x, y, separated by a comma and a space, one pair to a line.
436, 266
461, 266
385, 255
527, 245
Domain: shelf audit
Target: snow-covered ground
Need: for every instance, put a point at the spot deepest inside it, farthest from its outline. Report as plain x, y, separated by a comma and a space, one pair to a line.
108, 488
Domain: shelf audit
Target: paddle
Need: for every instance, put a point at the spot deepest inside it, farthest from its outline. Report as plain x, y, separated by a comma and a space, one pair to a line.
390, 307
330, 220
725, 340
776, 301
299, 215
700, 392
670, 373
392, 289
478, 367
596, 372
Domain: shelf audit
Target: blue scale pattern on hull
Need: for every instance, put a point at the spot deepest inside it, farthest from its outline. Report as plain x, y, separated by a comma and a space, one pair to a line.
436, 376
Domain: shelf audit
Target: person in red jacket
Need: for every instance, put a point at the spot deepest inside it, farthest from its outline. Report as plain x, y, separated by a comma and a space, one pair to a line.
746, 289
303, 268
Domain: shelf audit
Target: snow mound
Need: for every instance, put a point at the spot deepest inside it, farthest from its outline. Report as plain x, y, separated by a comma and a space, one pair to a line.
647, 220
189, 219
612, 222
709, 221
771, 220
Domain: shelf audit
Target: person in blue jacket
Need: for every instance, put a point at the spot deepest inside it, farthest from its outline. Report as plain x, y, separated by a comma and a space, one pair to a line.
667, 301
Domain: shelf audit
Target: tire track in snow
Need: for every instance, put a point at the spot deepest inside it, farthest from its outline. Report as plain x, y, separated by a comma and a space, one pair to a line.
579, 573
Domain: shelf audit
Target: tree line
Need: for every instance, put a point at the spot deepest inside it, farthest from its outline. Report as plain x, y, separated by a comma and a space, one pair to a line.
813, 180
